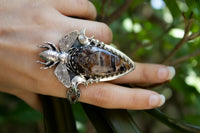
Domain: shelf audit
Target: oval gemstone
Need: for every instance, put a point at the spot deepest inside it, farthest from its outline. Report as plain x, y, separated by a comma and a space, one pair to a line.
95, 61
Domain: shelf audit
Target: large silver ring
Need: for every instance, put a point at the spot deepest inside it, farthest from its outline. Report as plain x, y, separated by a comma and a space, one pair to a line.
84, 60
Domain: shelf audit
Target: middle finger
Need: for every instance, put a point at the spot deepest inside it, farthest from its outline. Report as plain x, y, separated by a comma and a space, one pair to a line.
75, 8
148, 73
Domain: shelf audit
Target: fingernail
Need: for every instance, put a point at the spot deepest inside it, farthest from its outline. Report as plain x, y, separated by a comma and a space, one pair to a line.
172, 72
156, 100
166, 73
162, 97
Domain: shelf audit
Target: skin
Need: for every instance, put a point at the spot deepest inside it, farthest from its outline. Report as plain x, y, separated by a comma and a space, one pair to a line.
25, 24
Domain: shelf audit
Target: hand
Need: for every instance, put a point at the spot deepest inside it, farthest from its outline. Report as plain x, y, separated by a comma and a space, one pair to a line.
26, 24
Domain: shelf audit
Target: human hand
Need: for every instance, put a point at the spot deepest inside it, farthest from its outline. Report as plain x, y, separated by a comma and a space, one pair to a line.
25, 24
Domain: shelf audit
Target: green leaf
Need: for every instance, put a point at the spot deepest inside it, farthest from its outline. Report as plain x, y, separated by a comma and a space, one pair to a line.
194, 6
174, 9
111, 121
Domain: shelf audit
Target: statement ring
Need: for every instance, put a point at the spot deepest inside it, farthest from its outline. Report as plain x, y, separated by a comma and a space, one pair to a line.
84, 60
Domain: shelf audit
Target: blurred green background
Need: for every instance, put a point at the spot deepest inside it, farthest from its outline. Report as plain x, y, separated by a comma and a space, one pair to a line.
151, 31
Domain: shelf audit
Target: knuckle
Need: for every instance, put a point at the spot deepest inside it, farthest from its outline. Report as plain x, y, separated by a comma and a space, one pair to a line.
100, 97
145, 75
136, 102
133, 101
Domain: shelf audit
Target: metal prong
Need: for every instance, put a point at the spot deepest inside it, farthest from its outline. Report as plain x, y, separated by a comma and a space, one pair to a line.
90, 38
82, 32
82, 38
86, 84
43, 67
44, 46
46, 67
49, 43
48, 64
96, 80
44, 63
52, 46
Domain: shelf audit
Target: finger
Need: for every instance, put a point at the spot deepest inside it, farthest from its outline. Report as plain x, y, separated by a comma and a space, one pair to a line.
30, 98
112, 96
100, 30
75, 8
148, 73
102, 94
107, 95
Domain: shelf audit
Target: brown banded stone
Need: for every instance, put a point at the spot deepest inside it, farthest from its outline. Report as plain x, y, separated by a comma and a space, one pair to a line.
95, 61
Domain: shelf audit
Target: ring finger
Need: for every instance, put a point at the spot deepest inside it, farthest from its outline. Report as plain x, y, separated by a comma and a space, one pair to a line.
105, 95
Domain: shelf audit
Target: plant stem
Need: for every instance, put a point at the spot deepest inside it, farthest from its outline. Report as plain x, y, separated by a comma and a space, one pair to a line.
180, 43
58, 115
118, 12
111, 120
174, 124
185, 58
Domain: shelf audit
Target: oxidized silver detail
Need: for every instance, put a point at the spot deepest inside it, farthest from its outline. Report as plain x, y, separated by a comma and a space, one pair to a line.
83, 60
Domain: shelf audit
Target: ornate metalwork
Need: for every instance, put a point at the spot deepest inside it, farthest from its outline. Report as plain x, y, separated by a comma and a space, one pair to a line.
83, 60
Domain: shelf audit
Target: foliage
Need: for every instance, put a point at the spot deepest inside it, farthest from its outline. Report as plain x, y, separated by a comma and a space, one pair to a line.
18, 117
168, 35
